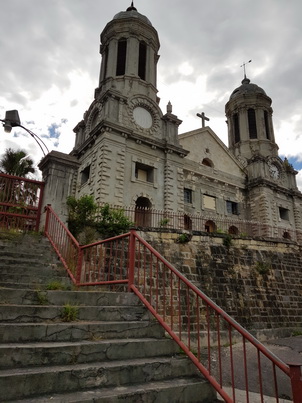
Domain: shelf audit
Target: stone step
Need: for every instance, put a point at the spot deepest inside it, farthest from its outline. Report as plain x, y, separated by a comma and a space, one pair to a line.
25, 382
32, 280
114, 351
180, 390
20, 355
24, 259
37, 313
33, 269
59, 297
75, 331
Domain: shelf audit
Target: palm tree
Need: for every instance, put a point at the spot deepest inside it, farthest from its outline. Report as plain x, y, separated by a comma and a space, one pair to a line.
16, 163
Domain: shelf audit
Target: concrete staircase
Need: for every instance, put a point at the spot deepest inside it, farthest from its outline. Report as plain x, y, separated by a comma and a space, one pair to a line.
110, 350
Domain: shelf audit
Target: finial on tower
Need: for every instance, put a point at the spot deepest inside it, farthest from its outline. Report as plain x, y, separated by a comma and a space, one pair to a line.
131, 8
244, 71
169, 107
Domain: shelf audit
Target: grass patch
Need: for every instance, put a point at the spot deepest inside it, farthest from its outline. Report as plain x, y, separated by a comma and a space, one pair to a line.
69, 313
56, 285
41, 297
296, 333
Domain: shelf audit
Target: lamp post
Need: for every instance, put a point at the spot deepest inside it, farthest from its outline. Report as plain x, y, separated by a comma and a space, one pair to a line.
12, 119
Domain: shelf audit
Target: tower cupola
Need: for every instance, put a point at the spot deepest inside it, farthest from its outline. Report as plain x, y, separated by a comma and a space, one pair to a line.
129, 48
250, 124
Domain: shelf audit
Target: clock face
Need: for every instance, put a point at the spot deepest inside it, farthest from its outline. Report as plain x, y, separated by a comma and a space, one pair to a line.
142, 117
274, 171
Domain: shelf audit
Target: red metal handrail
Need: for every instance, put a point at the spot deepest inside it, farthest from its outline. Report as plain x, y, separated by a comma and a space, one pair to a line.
63, 242
201, 329
199, 318
20, 202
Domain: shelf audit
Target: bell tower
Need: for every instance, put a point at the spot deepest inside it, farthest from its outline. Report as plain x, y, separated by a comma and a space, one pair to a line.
129, 49
250, 123
128, 150
272, 193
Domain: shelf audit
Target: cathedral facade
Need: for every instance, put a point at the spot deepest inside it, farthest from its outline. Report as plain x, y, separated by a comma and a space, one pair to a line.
128, 152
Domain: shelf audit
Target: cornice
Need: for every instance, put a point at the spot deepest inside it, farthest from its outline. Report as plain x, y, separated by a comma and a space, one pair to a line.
106, 126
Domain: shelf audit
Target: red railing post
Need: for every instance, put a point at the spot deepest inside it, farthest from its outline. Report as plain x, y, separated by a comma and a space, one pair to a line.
79, 265
131, 259
296, 382
47, 218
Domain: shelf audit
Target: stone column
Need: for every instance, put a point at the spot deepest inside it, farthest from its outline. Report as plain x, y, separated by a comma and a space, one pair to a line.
59, 172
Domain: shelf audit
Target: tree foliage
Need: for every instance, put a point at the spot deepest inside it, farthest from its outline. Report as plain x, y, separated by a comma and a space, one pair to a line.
16, 163
84, 215
111, 222
81, 213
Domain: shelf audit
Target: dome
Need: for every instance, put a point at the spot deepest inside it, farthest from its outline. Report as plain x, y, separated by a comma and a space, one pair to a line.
132, 12
247, 88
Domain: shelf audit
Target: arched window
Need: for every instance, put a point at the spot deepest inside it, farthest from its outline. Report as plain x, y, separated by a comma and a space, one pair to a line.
142, 59
286, 235
236, 128
252, 123
121, 57
207, 162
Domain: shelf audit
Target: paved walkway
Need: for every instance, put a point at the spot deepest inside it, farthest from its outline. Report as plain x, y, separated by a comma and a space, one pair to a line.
289, 350
253, 397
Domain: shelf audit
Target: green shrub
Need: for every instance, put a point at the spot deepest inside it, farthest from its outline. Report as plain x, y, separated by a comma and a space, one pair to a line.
184, 238
164, 222
111, 222
227, 241
263, 267
86, 221
80, 213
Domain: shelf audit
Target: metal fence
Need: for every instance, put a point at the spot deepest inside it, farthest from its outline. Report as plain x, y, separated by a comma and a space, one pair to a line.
20, 202
151, 218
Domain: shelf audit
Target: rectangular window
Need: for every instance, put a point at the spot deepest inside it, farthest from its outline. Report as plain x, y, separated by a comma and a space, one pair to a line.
188, 196
232, 207
144, 172
284, 213
209, 202
85, 175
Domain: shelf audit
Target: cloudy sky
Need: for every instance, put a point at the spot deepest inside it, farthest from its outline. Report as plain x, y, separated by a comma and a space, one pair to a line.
50, 63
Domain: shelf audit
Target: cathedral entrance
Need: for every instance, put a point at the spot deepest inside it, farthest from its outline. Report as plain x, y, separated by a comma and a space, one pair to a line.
143, 214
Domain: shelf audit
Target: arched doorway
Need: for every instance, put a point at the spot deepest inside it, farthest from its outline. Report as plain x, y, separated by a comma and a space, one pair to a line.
210, 226
143, 215
233, 230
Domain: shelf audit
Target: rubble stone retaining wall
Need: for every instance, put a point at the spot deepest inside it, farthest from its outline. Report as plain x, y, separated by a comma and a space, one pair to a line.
257, 282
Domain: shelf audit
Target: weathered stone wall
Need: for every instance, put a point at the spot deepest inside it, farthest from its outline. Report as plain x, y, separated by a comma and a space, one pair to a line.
259, 283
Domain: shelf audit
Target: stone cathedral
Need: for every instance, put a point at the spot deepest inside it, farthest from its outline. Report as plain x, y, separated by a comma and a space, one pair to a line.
128, 151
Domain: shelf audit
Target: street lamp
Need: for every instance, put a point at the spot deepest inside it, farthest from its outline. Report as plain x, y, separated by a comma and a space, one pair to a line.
12, 120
